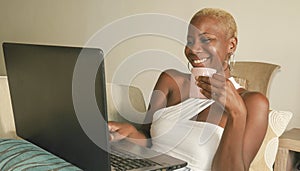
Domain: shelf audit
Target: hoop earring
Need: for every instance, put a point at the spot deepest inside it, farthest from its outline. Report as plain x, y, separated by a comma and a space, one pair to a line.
228, 65
189, 66
232, 60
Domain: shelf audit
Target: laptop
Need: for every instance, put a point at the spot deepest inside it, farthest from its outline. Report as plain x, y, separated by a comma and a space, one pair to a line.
59, 102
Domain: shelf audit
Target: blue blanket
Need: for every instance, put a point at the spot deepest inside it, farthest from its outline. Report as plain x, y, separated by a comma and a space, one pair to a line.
17, 155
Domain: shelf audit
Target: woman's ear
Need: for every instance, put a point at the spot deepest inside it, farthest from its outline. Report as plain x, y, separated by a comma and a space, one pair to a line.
232, 45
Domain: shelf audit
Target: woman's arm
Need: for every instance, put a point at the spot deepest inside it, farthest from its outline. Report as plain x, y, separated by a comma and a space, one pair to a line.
246, 125
158, 100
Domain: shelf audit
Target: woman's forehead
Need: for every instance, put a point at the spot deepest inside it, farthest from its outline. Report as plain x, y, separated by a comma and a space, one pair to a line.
205, 25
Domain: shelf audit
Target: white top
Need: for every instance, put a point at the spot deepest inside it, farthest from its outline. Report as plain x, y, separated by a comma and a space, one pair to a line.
174, 133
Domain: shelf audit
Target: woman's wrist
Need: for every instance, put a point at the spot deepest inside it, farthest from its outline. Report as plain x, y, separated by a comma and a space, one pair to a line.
132, 131
238, 112
135, 133
137, 137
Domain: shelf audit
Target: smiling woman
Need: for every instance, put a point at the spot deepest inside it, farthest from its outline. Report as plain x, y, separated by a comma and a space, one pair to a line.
210, 32
221, 131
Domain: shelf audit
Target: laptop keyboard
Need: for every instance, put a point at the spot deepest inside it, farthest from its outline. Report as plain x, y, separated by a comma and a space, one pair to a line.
121, 161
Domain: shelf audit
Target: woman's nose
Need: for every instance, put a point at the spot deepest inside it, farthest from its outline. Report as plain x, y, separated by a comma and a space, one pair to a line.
196, 48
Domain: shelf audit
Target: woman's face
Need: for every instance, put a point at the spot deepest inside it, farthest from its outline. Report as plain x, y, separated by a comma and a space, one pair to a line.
207, 44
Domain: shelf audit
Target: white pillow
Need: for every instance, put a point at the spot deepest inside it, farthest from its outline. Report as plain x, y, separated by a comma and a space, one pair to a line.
265, 158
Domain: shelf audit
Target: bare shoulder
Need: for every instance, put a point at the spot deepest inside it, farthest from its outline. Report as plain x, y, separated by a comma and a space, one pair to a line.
172, 75
174, 85
256, 99
257, 105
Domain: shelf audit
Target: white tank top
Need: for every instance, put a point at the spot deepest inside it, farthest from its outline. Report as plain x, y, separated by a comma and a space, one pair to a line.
174, 133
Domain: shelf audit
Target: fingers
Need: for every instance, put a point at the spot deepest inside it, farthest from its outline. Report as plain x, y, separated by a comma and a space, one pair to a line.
219, 77
115, 136
216, 80
215, 84
213, 87
118, 130
113, 126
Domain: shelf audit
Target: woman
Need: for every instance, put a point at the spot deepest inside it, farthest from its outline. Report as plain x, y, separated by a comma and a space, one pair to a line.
236, 119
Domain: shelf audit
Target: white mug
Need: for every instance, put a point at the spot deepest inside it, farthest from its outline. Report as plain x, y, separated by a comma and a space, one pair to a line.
199, 71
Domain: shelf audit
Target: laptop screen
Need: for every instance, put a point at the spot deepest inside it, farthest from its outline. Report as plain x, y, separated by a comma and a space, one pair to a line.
41, 79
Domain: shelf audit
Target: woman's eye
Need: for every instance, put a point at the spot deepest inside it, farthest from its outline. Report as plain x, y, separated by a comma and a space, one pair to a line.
189, 43
205, 40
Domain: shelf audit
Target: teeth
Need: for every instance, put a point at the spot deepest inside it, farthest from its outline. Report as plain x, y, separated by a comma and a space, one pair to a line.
197, 61
200, 60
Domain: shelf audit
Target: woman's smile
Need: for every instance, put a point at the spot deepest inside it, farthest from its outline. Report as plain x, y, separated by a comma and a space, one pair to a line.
196, 61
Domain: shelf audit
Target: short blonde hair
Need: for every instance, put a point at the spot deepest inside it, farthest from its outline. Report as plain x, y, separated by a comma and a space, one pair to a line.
224, 18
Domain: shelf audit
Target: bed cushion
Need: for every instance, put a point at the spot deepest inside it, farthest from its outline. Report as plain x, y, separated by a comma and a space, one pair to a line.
265, 158
18, 155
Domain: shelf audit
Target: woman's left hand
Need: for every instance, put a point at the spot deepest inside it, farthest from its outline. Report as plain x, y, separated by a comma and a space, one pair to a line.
222, 91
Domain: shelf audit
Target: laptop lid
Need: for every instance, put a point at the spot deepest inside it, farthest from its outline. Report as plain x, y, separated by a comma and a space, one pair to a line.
41, 81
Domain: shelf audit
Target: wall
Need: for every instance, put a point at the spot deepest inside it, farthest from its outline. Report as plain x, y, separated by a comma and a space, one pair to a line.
268, 31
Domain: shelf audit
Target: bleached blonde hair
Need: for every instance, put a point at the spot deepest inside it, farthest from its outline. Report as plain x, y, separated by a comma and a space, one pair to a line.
225, 19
